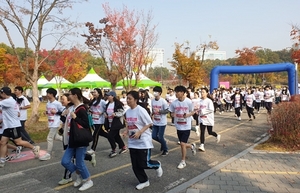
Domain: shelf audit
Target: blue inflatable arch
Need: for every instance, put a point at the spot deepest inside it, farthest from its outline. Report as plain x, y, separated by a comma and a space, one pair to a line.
289, 67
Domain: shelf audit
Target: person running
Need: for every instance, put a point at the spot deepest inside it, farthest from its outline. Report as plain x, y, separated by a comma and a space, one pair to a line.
250, 103
53, 112
79, 115
182, 111
258, 96
237, 101
97, 109
285, 94
24, 104
228, 100
268, 96
114, 122
11, 126
196, 101
160, 109
140, 140
206, 118
170, 97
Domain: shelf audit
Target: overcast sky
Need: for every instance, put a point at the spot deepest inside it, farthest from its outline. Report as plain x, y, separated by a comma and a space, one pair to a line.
234, 24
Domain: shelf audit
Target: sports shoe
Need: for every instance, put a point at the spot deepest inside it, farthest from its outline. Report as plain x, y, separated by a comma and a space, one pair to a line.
250, 119
178, 142
194, 148
18, 151
159, 171
65, 181
181, 165
172, 124
91, 152
142, 185
78, 180
123, 150
164, 153
257, 111
45, 157
197, 130
93, 161
88, 184
112, 154
239, 118
201, 147
218, 138
9, 158
2, 164
36, 151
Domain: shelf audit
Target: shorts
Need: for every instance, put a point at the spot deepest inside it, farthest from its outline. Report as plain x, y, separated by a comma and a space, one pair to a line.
13, 133
184, 135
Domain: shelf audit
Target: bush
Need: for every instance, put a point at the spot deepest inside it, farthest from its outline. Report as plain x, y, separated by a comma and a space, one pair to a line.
285, 119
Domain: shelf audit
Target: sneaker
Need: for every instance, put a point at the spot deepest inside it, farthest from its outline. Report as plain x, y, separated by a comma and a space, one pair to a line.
239, 118
45, 157
194, 148
258, 112
197, 130
91, 152
218, 138
2, 164
230, 109
123, 150
112, 154
65, 181
254, 117
36, 151
235, 115
88, 184
18, 151
201, 147
142, 185
181, 165
250, 119
178, 142
78, 181
9, 158
164, 153
159, 171
93, 161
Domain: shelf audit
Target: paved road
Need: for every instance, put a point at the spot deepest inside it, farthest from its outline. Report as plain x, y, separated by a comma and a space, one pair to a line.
115, 174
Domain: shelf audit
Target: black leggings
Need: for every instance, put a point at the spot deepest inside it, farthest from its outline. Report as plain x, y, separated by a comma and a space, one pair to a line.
209, 130
268, 106
100, 131
116, 138
237, 111
195, 116
249, 111
257, 106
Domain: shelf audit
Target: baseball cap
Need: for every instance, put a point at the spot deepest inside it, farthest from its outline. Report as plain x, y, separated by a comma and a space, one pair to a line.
111, 93
6, 90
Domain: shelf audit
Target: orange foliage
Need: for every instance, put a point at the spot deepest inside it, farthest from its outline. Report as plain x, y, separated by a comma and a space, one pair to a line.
247, 56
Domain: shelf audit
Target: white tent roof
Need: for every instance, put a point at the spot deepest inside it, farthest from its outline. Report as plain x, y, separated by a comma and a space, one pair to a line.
42, 80
92, 76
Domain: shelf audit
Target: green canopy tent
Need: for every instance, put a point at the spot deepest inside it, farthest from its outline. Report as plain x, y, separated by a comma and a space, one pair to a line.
143, 82
42, 81
92, 80
55, 81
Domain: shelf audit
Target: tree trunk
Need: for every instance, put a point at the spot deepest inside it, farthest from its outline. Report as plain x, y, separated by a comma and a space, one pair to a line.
35, 99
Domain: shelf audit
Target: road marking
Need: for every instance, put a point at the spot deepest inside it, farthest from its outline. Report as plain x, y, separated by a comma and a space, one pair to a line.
259, 172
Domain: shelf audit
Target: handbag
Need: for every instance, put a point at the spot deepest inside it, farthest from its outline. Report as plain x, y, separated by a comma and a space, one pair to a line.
81, 135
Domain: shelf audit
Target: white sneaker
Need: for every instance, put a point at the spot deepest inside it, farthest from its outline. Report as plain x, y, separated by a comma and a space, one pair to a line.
197, 130
201, 147
78, 180
193, 149
2, 164
36, 151
142, 185
218, 138
181, 165
90, 152
178, 142
45, 157
88, 184
18, 151
239, 118
159, 171
65, 181
93, 161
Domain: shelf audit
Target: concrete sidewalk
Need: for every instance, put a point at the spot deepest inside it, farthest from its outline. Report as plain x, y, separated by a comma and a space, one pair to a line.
249, 171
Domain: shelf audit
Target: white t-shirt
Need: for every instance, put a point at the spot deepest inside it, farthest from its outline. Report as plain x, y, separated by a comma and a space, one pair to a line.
206, 112
110, 110
124, 101
10, 113
171, 98
98, 112
179, 108
136, 119
249, 98
159, 119
196, 103
23, 112
1, 119
237, 101
54, 119
268, 95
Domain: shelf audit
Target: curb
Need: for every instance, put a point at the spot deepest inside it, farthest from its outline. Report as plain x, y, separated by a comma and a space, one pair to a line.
216, 168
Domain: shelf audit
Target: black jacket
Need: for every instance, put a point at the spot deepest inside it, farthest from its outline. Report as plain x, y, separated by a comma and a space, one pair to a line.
241, 100
118, 120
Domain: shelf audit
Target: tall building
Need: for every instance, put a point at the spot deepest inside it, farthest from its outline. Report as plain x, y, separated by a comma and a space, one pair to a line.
157, 57
213, 55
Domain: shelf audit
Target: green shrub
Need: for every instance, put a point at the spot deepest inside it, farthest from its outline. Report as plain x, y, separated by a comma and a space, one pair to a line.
285, 120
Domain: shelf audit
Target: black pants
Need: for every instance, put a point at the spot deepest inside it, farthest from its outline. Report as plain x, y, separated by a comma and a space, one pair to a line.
228, 106
257, 106
116, 138
195, 116
140, 160
249, 111
209, 130
100, 131
25, 136
237, 111
268, 106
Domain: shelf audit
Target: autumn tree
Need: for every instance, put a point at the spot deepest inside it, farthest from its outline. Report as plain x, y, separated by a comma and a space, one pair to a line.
187, 65
34, 21
123, 42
